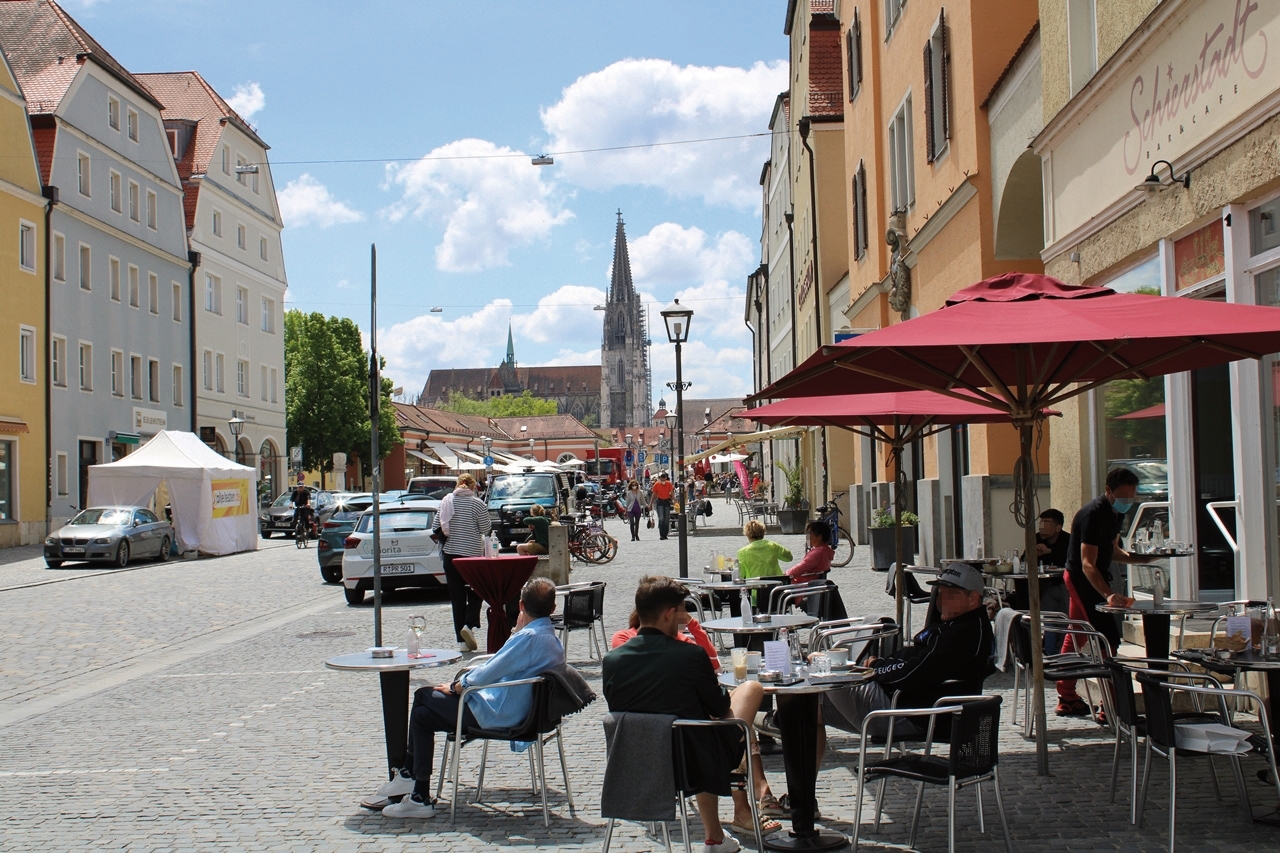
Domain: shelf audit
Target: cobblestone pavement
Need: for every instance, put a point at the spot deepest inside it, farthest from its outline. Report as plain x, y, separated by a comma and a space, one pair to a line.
185, 706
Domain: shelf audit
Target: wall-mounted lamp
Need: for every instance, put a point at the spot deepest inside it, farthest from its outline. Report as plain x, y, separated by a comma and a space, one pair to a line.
1152, 183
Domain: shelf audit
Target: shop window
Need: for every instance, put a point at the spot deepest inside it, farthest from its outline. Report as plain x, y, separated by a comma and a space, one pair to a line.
1082, 42
1264, 228
6, 480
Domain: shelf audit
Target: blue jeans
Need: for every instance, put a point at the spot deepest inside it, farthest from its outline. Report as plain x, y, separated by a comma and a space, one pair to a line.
664, 517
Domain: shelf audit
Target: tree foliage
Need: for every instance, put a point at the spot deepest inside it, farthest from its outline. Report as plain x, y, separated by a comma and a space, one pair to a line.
506, 406
326, 374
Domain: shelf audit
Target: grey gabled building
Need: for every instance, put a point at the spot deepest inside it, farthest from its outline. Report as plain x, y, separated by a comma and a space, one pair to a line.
119, 289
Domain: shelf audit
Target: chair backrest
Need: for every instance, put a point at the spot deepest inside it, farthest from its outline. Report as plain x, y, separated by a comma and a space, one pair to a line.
597, 600
1159, 708
1126, 701
538, 721
975, 736
1020, 640
913, 589
639, 775
578, 607
784, 596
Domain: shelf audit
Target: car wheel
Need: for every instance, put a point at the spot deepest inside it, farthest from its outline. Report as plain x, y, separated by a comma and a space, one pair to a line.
163, 556
331, 574
53, 564
354, 596
122, 555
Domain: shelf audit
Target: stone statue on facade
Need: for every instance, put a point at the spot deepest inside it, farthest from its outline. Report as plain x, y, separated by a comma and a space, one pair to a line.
899, 278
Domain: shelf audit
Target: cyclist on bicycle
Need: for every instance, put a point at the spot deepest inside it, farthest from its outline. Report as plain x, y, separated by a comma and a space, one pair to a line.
302, 508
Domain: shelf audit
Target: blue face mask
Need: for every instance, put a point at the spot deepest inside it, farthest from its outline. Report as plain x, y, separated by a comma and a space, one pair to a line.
1121, 505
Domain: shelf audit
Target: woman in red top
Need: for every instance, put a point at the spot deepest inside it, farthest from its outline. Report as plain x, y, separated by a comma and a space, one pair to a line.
696, 635
817, 560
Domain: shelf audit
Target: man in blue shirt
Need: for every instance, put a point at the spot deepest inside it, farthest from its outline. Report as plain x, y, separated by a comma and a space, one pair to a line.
532, 650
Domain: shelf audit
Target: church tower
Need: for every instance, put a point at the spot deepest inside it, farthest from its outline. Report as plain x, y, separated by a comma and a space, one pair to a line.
625, 392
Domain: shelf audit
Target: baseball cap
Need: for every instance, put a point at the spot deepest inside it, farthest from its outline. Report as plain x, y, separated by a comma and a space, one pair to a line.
662, 475
960, 576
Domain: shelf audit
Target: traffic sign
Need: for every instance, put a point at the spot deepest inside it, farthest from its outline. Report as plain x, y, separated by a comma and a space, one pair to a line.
488, 461
295, 455
629, 458
642, 457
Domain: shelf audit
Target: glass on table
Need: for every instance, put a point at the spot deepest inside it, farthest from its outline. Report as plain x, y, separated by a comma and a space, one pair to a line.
739, 658
820, 664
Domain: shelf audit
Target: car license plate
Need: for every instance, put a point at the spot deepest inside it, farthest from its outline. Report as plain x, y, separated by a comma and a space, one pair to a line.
73, 550
397, 568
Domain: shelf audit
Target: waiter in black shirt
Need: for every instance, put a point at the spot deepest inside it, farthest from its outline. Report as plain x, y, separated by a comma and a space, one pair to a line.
1095, 545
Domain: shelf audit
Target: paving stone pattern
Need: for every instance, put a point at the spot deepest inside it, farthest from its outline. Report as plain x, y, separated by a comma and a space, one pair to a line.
186, 706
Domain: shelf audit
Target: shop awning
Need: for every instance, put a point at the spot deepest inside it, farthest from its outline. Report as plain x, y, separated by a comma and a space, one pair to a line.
747, 438
445, 452
425, 457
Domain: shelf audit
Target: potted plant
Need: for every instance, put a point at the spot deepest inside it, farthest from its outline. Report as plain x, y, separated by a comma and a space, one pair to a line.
795, 512
883, 547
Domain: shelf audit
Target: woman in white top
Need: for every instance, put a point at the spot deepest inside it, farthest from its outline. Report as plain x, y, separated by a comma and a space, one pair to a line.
464, 521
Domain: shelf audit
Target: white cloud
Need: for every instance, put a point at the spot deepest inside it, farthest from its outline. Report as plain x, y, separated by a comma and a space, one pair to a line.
565, 314
247, 99
306, 201
489, 202
642, 101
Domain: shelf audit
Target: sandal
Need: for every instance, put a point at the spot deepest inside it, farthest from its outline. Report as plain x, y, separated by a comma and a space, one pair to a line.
768, 826
769, 805
785, 805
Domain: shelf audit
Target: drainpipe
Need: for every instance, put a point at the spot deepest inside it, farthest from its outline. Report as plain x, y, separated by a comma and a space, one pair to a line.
805, 124
193, 258
790, 217
51, 197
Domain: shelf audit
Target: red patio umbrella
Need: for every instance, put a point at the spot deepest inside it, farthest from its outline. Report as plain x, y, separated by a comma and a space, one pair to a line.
911, 414
1022, 342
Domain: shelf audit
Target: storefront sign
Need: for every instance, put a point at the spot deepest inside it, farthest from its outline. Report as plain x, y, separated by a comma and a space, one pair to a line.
1199, 256
1206, 65
230, 497
149, 421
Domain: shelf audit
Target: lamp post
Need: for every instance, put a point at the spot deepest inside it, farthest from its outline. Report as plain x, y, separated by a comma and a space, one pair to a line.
629, 468
677, 319
487, 444
671, 444
236, 425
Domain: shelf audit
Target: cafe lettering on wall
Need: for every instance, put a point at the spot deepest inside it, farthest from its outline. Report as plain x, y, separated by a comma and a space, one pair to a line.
1199, 256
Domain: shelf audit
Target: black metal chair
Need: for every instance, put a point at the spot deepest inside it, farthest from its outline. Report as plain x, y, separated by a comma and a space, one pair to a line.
583, 609
1090, 663
914, 594
538, 728
1162, 738
972, 758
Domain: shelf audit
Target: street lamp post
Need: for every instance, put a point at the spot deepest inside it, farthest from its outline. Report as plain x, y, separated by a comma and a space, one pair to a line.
677, 319
486, 444
629, 469
236, 425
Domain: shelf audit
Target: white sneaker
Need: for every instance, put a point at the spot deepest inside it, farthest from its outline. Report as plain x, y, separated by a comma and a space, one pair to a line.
464, 646
469, 637
728, 845
400, 786
412, 807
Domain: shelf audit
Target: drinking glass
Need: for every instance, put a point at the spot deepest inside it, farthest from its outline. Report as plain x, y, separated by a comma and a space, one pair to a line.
417, 624
820, 664
739, 657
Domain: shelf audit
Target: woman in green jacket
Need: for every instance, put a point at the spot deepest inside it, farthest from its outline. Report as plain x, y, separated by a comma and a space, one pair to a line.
759, 557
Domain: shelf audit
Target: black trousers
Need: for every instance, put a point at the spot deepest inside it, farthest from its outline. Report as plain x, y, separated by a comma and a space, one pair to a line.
466, 603
432, 712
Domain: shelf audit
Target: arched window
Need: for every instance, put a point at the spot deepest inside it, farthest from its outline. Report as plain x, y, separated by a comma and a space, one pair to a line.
622, 374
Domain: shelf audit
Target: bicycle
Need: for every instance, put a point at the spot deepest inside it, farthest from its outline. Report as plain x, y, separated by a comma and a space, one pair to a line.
840, 541
301, 529
590, 543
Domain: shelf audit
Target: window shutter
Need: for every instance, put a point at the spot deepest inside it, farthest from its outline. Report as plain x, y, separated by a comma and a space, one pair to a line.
856, 72
945, 74
857, 217
862, 206
930, 148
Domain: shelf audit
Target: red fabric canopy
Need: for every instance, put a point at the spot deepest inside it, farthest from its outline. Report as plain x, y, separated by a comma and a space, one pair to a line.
907, 407
1051, 333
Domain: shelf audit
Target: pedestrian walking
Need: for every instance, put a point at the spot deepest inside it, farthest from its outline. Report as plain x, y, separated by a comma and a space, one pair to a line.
633, 500
463, 523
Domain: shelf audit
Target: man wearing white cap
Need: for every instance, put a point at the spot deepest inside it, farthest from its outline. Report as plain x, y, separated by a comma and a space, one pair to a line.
957, 647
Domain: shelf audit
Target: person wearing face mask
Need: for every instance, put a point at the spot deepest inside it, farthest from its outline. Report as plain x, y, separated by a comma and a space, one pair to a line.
1095, 545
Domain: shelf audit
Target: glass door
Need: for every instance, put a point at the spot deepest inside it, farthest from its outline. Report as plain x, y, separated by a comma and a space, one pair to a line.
1213, 472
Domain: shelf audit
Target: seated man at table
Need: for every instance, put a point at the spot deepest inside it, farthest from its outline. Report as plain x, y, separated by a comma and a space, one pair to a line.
1051, 550
532, 650
957, 647
655, 673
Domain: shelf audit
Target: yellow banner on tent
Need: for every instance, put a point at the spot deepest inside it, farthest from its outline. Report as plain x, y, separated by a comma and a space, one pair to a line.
230, 497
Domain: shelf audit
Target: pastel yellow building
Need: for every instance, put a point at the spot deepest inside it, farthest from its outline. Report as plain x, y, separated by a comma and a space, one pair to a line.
23, 361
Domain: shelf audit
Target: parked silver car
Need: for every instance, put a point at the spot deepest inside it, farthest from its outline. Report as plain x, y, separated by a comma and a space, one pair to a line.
112, 533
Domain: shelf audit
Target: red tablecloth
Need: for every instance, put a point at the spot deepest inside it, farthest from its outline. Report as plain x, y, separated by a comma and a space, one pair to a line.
497, 581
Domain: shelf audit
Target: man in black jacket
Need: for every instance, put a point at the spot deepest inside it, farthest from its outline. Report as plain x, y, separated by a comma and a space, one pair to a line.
958, 647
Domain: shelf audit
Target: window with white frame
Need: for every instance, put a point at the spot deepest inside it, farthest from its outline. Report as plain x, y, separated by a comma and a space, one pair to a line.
153, 293
151, 210
177, 302
902, 191
241, 236
937, 85
242, 378
113, 191
178, 387
131, 124
82, 173
135, 376
892, 12
219, 373
135, 201
217, 223
117, 373
253, 180
153, 380
208, 370
59, 257
58, 362
27, 354
212, 294
1082, 42
86, 268
113, 278
226, 159
113, 112
86, 366
262, 381
268, 315
134, 296
853, 50
859, 217
242, 305
262, 248
275, 382
60, 475
27, 246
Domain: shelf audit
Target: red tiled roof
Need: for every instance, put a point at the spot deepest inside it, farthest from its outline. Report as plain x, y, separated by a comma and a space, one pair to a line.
545, 426
826, 69
46, 47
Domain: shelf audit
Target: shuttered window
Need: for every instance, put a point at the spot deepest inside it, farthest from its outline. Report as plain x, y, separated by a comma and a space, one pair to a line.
853, 47
937, 70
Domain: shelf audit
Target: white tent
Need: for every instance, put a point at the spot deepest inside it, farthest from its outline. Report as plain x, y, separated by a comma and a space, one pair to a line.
212, 497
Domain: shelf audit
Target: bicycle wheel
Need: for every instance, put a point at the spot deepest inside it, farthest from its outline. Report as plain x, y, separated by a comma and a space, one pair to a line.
599, 548
844, 550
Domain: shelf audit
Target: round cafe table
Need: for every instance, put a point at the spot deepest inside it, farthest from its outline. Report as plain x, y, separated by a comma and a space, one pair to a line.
735, 625
797, 720
393, 677
1155, 620
496, 580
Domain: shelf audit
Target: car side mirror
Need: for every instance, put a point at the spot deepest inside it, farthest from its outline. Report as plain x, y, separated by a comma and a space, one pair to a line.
137, 522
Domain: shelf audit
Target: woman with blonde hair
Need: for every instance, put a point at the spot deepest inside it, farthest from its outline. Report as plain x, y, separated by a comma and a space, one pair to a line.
759, 557
462, 522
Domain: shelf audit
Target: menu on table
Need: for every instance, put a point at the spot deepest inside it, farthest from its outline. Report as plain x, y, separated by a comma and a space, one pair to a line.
777, 656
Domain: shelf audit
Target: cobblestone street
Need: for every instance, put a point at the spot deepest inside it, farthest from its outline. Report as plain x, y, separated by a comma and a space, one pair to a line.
186, 706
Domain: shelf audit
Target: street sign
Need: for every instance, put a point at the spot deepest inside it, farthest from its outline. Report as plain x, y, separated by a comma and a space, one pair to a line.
488, 461
642, 457
629, 458
295, 455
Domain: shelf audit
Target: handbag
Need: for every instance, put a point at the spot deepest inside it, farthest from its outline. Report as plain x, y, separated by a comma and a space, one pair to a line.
649, 523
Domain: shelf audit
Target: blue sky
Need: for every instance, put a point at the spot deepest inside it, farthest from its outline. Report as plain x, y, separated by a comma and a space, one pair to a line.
385, 118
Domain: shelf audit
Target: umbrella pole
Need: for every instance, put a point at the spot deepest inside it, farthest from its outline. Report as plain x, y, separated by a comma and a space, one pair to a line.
899, 498
1025, 472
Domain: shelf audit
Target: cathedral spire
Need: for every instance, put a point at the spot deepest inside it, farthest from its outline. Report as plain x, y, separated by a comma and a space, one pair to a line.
511, 346
620, 286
